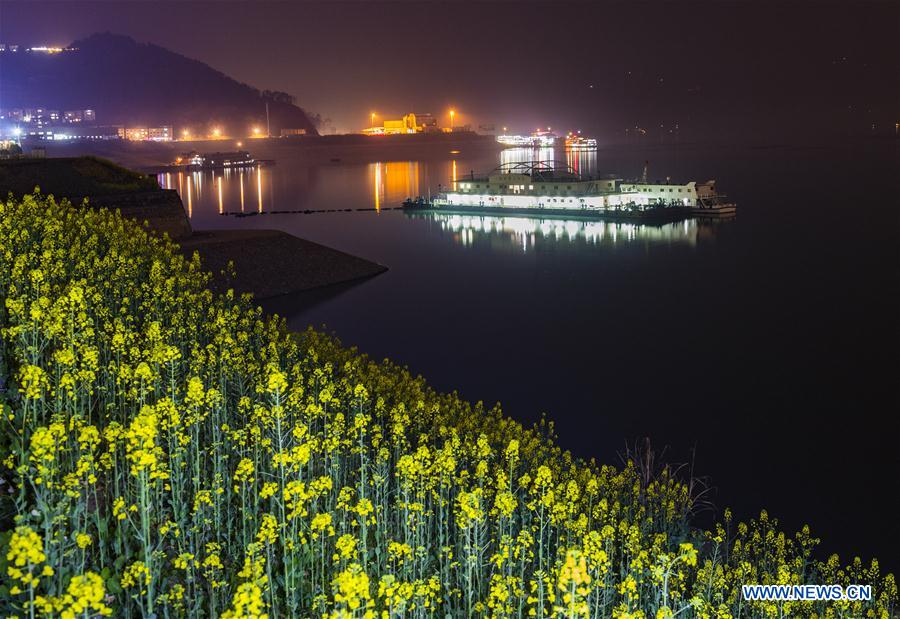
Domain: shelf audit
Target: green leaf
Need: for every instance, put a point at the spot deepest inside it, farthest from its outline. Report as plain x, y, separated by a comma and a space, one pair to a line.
112, 585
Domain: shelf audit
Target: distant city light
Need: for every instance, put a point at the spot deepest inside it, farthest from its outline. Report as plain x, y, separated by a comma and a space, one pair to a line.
49, 50
452, 114
217, 132
372, 124
256, 130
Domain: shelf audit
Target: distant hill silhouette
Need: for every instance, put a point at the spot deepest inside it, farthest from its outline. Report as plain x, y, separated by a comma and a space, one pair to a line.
133, 83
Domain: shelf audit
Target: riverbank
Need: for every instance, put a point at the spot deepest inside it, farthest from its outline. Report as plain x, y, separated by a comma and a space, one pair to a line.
311, 149
266, 263
271, 263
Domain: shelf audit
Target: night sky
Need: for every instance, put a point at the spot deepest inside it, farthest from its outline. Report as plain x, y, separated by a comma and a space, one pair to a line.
717, 70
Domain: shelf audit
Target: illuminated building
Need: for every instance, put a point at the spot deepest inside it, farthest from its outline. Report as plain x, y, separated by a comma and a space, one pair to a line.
153, 134
411, 123
109, 132
77, 116
427, 123
160, 134
9, 148
15, 114
137, 134
407, 124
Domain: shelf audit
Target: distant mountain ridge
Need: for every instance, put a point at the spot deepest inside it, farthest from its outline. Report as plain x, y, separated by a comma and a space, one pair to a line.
132, 83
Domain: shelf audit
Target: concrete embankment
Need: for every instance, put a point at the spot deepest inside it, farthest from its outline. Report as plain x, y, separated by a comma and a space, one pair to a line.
270, 263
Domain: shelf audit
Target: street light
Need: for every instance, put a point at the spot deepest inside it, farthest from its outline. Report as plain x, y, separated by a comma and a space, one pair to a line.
217, 132
256, 131
452, 114
372, 115
185, 134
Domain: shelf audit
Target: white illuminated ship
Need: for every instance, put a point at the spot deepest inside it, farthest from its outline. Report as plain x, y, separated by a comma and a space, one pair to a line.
554, 188
538, 139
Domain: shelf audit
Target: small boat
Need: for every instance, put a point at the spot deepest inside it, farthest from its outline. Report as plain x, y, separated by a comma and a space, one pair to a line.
575, 141
217, 160
711, 203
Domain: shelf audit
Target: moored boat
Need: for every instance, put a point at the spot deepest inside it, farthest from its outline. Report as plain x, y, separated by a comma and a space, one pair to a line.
576, 141
538, 139
554, 188
217, 161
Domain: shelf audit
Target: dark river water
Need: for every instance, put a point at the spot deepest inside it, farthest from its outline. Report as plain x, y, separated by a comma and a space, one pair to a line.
766, 346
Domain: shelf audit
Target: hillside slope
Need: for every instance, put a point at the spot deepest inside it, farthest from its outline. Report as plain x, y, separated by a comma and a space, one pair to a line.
127, 82
172, 453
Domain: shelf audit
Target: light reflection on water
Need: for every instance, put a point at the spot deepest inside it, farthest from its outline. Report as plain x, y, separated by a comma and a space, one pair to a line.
229, 192
392, 182
528, 232
289, 188
525, 155
581, 160
388, 182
